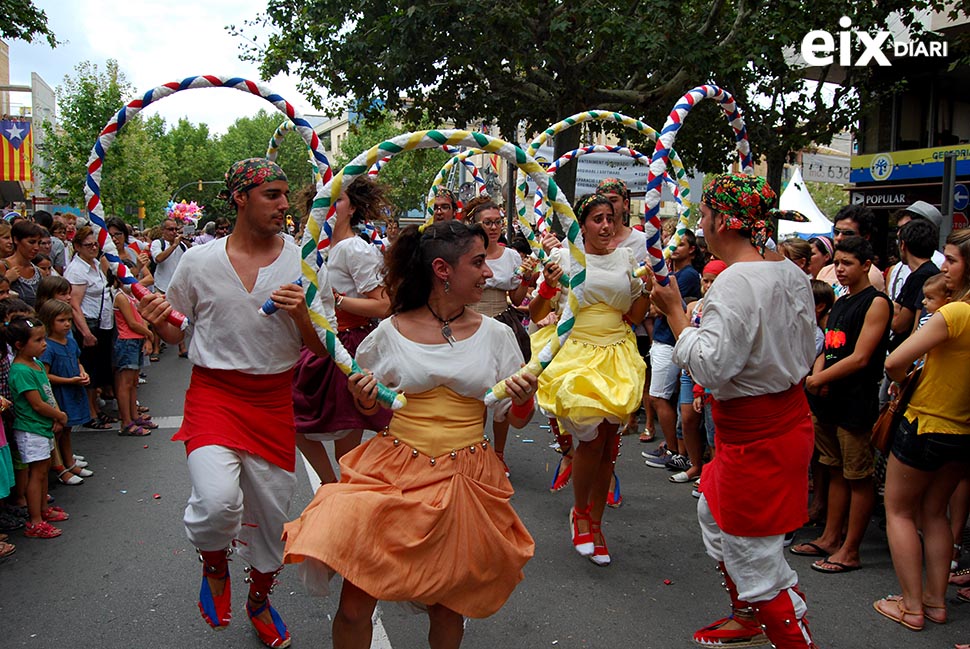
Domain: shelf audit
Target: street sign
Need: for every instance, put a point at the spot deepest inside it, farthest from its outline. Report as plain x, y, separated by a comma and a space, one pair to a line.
960, 221
961, 197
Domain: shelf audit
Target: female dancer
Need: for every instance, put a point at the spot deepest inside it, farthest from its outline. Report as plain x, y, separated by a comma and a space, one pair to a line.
413, 500
323, 412
596, 380
502, 287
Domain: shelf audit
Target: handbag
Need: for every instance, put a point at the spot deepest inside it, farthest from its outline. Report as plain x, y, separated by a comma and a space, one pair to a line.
892, 412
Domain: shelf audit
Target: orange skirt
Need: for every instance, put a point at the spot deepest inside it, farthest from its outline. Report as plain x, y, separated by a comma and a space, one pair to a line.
403, 529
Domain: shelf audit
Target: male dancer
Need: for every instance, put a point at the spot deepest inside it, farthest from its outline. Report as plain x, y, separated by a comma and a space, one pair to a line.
755, 344
238, 427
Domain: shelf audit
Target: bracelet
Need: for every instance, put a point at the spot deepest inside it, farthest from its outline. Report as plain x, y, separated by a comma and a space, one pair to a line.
547, 291
524, 411
339, 301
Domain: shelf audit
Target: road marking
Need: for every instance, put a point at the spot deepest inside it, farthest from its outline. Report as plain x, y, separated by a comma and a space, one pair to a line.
379, 639
174, 421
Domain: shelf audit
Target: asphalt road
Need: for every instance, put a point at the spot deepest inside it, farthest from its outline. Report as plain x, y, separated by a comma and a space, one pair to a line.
123, 575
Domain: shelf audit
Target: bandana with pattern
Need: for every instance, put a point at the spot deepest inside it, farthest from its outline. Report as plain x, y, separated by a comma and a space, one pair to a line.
613, 186
447, 193
249, 173
585, 201
745, 201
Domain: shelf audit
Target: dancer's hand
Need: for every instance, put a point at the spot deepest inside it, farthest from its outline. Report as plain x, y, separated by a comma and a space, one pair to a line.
667, 298
363, 386
521, 387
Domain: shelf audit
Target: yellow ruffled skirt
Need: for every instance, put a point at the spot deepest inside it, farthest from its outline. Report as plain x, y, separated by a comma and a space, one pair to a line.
598, 374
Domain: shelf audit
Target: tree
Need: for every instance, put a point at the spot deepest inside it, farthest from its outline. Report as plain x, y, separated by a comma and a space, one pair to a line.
540, 61
133, 169
408, 175
248, 137
22, 20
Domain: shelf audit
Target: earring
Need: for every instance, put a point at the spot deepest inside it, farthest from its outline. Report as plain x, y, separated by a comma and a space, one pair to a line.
447, 286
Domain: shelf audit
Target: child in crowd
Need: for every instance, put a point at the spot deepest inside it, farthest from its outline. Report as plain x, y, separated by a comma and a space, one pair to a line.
845, 386
52, 288
68, 378
128, 354
44, 265
4, 288
36, 417
702, 397
10, 308
824, 299
935, 295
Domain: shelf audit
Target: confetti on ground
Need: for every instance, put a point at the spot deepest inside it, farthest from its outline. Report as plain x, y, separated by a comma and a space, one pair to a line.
124, 491
667, 582
528, 441
157, 496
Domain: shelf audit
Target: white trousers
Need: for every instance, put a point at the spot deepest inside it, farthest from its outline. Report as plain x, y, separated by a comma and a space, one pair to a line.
238, 499
755, 563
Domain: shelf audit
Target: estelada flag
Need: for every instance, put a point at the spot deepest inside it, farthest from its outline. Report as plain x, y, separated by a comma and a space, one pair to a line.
16, 150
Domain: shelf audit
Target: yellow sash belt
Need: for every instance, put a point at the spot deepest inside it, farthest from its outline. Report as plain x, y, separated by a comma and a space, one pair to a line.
439, 421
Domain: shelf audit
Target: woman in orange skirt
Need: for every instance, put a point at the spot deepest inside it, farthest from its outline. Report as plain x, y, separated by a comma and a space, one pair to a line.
424, 495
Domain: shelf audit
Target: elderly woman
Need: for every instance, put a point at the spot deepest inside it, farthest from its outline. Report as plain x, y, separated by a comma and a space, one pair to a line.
414, 501
92, 304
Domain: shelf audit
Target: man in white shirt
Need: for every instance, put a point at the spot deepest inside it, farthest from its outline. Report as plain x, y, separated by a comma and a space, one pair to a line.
241, 449
166, 253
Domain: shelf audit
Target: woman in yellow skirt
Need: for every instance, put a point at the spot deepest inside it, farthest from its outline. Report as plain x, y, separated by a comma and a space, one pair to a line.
595, 382
422, 512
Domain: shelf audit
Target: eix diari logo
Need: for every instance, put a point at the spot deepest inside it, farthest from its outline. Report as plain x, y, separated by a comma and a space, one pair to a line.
819, 45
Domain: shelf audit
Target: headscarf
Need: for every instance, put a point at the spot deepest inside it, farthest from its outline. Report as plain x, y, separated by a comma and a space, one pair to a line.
613, 186
827, 244
585, 201
447, 193
714, 267
246, 174
745, 201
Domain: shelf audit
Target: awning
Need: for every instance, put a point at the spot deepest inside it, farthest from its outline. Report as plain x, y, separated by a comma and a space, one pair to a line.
11, 191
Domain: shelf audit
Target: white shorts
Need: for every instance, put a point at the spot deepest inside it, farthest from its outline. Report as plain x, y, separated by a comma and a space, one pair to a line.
328, 437
664, 374
33, 447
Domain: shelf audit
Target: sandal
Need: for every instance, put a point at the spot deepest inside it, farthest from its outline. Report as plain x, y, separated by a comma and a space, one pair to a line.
43, 530
154, 358
146, 422
960, 577
133, 430
97, 424
901, 612
938, 619
647, 436
143, 409
72, 478
6, 549
52, 515
107, 419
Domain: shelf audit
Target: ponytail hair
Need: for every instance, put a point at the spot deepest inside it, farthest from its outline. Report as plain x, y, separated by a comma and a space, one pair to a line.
19, 330
409, 274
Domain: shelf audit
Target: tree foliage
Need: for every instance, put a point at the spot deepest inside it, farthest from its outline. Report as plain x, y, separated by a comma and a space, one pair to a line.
150, 161
539, 61
22, 20
408, 175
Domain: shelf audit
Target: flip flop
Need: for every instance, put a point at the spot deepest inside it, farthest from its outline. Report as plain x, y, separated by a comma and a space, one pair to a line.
820, 566
6, 549
816, 551
97, 424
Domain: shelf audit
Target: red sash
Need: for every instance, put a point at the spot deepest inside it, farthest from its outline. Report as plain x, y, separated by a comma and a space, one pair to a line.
757, 484
249, 412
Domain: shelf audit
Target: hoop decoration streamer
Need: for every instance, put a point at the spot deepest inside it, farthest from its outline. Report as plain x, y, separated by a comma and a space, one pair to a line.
92, 185
323, 206
458, 156
678, 190
273, 148
662, 154
599, 116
